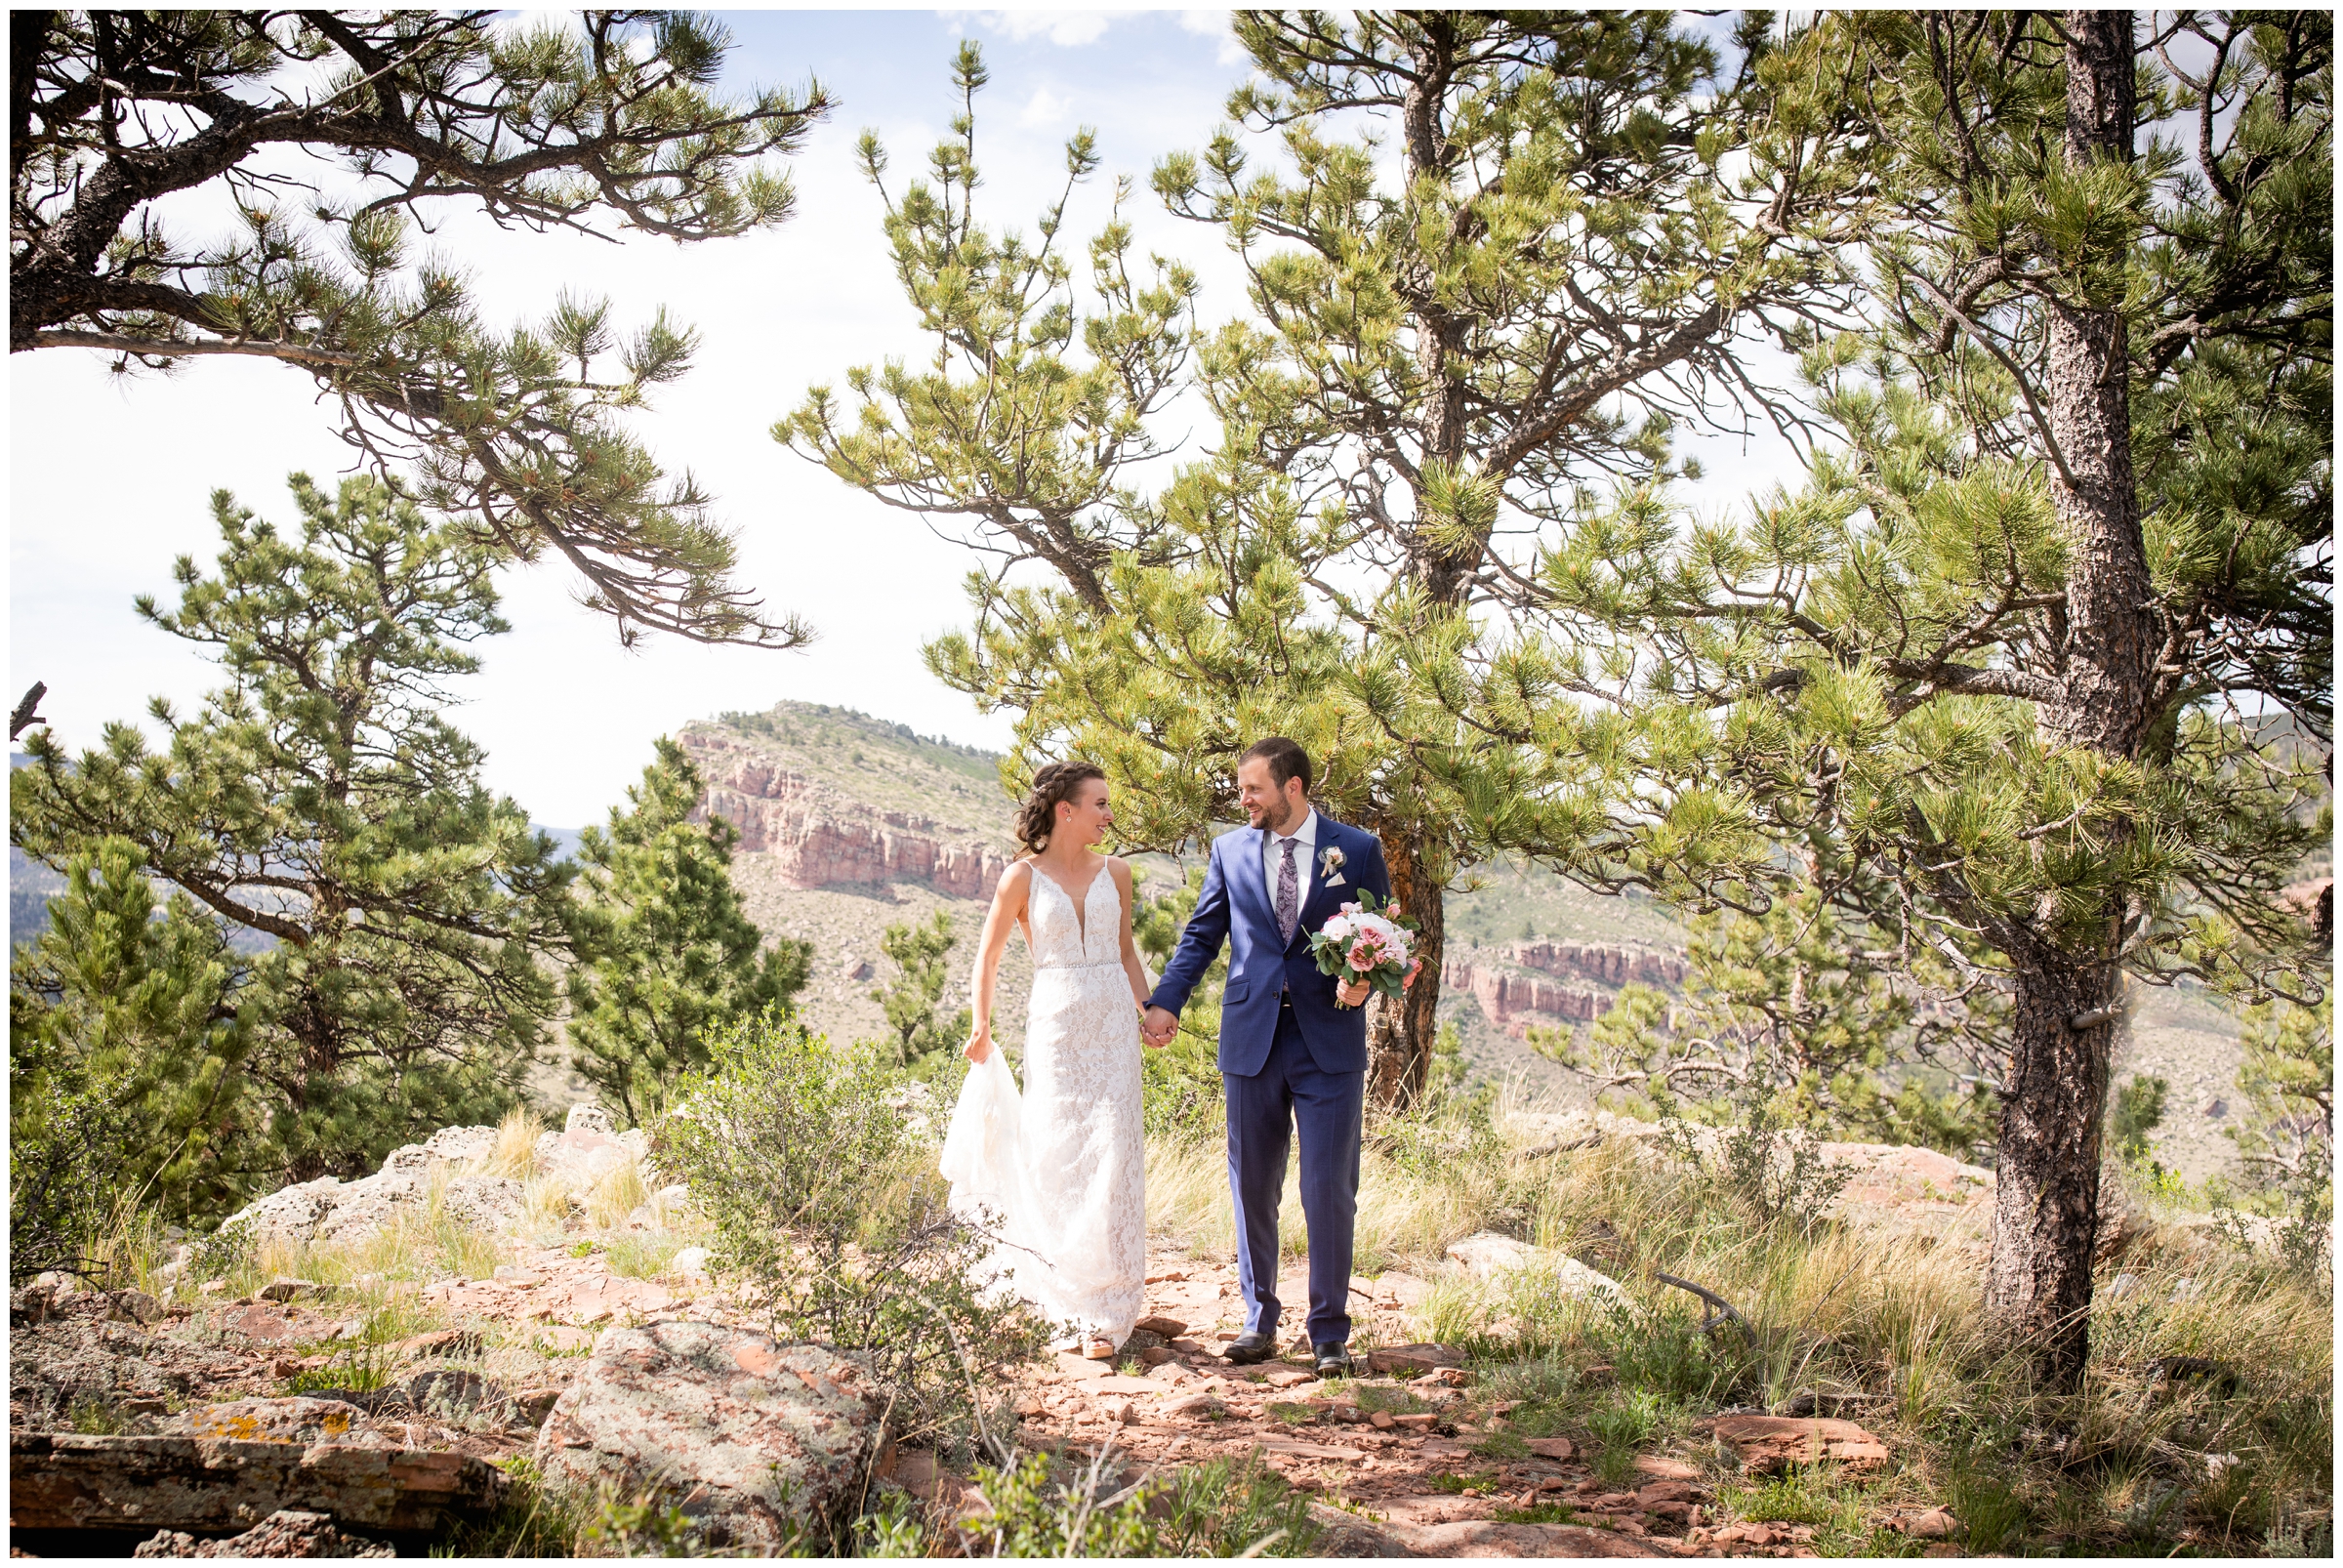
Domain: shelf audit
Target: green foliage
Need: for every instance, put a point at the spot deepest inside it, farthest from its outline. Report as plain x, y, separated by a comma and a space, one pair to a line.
2289, 1080
1233, 1507
1223, 1509
321, 800
66, 1150
532, 1520
360, 1367
1184, 1093
1456, 1484
2139, 1110
1819, 1014
603, 122
837, 1219
1333, 570
664, 950
1622, 1425
1449, 1067
648, 1526
95, 1418
922, 957
1448, 1134
122, 1035
1771, 1169
2031, 728
1031, 1517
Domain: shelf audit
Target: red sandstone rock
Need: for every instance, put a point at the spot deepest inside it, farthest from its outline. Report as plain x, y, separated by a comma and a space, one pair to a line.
69, 1481
1769, 1443
818, 838
286, 1533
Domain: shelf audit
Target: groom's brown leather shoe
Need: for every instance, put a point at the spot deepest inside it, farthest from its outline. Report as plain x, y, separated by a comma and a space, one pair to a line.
1247, 1349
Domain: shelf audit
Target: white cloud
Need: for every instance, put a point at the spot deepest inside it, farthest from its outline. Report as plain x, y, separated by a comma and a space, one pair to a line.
1066, 28
1044, 108
1215, 25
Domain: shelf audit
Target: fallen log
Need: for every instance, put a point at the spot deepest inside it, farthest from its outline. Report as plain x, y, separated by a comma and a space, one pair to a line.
1709, 1320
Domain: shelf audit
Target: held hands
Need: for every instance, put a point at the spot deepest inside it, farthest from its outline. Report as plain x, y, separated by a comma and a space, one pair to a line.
980, 1044
1157, 1027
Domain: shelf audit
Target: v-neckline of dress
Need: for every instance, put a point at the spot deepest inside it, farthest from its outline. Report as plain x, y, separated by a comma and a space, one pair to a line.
1082, 922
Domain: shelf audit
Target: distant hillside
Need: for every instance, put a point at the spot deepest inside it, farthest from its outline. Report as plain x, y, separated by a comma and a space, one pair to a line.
849, 824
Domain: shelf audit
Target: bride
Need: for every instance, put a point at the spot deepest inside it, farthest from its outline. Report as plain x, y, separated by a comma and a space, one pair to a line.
1059, 1173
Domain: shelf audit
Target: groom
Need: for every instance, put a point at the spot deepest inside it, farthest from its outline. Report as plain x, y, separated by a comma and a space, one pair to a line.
1291, 1059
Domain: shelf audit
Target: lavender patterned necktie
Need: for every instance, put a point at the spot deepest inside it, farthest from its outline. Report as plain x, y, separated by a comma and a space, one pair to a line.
1289, 895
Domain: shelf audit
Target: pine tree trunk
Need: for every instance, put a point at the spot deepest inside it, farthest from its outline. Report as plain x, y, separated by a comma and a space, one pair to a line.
2046, 1206
2046, 1193
1401, 1033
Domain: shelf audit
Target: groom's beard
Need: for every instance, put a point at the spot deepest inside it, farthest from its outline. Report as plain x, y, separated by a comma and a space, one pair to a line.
1267, 822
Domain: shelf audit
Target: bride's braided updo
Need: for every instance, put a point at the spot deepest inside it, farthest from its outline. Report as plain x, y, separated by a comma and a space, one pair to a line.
1055, 782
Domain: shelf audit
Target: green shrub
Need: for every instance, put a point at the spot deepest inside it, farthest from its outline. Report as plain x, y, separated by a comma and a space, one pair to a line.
63, 1162
2138, 1111
640, 1527
1032, 1517
1771, 1169
835, 1216
1625, 1424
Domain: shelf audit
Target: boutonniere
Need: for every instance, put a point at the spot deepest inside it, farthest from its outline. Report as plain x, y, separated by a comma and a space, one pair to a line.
1331, 861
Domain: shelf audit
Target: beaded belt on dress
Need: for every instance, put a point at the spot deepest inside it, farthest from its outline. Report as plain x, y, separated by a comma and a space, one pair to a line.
1101, 964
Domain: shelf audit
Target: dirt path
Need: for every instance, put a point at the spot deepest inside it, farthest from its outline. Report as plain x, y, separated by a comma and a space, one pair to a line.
1420, 1486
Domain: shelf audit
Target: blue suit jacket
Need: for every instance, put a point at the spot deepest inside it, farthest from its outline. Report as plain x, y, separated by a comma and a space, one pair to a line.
1236, 906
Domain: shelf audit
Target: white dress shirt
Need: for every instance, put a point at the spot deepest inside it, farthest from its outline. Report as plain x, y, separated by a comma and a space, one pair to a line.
1273, 852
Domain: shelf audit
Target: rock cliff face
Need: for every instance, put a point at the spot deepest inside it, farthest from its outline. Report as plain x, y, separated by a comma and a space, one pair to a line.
1513, 1000
1604, 963
816, 837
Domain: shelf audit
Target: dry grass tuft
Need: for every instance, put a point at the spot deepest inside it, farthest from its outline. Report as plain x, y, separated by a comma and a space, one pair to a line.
515, 1156
618, 1193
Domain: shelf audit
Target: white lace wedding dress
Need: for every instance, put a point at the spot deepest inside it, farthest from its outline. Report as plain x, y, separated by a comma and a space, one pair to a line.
1059, 1172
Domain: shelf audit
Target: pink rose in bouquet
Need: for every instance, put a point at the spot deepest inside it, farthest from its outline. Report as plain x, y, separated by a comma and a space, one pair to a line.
1363, 943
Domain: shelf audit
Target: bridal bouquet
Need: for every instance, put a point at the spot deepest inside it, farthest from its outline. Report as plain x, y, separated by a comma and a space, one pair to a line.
1360, 944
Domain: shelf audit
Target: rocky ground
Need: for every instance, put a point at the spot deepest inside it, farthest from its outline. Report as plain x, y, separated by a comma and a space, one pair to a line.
1395, 1458
591, 1340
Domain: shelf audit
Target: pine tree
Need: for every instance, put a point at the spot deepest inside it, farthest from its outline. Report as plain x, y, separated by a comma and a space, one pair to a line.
1588, 209
1833, 1025
137, 1010
666, 952
2288, 1136
920, 954
321, 799
123, 122
2035, 670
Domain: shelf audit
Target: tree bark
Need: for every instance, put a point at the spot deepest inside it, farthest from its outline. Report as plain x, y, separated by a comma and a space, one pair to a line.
1401, 1033
2047, 1202
2046, 1191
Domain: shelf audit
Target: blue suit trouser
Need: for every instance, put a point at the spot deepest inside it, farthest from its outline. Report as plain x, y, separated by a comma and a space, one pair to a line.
1292, 1095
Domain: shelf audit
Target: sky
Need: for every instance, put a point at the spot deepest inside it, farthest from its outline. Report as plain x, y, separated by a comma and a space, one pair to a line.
110, 479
